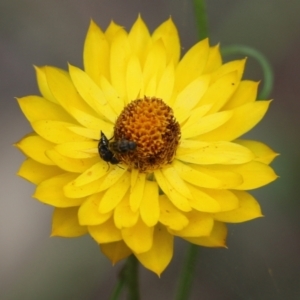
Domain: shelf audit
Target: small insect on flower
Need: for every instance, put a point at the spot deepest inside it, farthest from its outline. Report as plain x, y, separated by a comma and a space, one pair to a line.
105, 153
122, 146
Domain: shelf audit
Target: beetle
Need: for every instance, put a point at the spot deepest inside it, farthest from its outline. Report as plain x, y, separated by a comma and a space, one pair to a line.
104, 151
122, 146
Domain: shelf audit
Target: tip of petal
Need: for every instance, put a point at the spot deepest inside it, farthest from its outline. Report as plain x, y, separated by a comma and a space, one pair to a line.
92, 22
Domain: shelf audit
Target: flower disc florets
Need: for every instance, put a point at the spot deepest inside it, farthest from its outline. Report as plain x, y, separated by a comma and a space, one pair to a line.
151, 124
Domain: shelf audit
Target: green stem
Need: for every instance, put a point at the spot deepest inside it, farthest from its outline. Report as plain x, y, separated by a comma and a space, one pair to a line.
128, 276
117, 290
201, 18
132, 278
261, 59
187, 274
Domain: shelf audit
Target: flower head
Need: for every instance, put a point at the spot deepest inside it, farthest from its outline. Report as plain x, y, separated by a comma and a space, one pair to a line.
168, 162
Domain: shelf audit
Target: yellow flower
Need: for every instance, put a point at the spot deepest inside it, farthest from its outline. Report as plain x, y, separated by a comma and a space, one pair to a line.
169, 162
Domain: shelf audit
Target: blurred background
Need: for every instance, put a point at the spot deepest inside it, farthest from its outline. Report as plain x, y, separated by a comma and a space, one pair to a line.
263, 256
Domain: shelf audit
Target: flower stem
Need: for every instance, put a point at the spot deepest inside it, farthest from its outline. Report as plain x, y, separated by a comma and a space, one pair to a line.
201, 18
261, 59
132, 278
128, 276
117, 290
187, 274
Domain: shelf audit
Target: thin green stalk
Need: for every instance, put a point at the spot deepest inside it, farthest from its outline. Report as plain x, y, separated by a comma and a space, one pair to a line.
261, 59
117, 290
201, 18
132, 278
128, 276
187, 274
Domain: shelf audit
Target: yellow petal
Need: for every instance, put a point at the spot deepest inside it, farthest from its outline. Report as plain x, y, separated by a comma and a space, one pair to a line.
213, 153
255, 175
87, 133
220, 91
139, 237
243, 119
205, 177
63, 90
214, 60
119, 55
65, 223
217, 237
193, 176
91, 93
149, 208
112, 30
110, 93
139, 39
134, 176
115, 251
237, 66
262, 152
188, 98
73, 191
88, 213
137, 190
114, 194
96, 53
195, 115
176, 181
227, 199
248, 209
51, 192
36, 172
168, 33
43, 84
114, 174
134, 78
206, 124
161, 252
106, 232
200, 224
89, 121
202, 201
71, 164
176, 198
35, 147
123, 215
166, 84
37, 108
156, 62
151, 86
79, 150
56, 132
227, 177
170, 216
192, 64
95, 172
245, 93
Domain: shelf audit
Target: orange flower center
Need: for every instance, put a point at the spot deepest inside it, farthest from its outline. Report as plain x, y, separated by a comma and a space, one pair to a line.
146, 134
